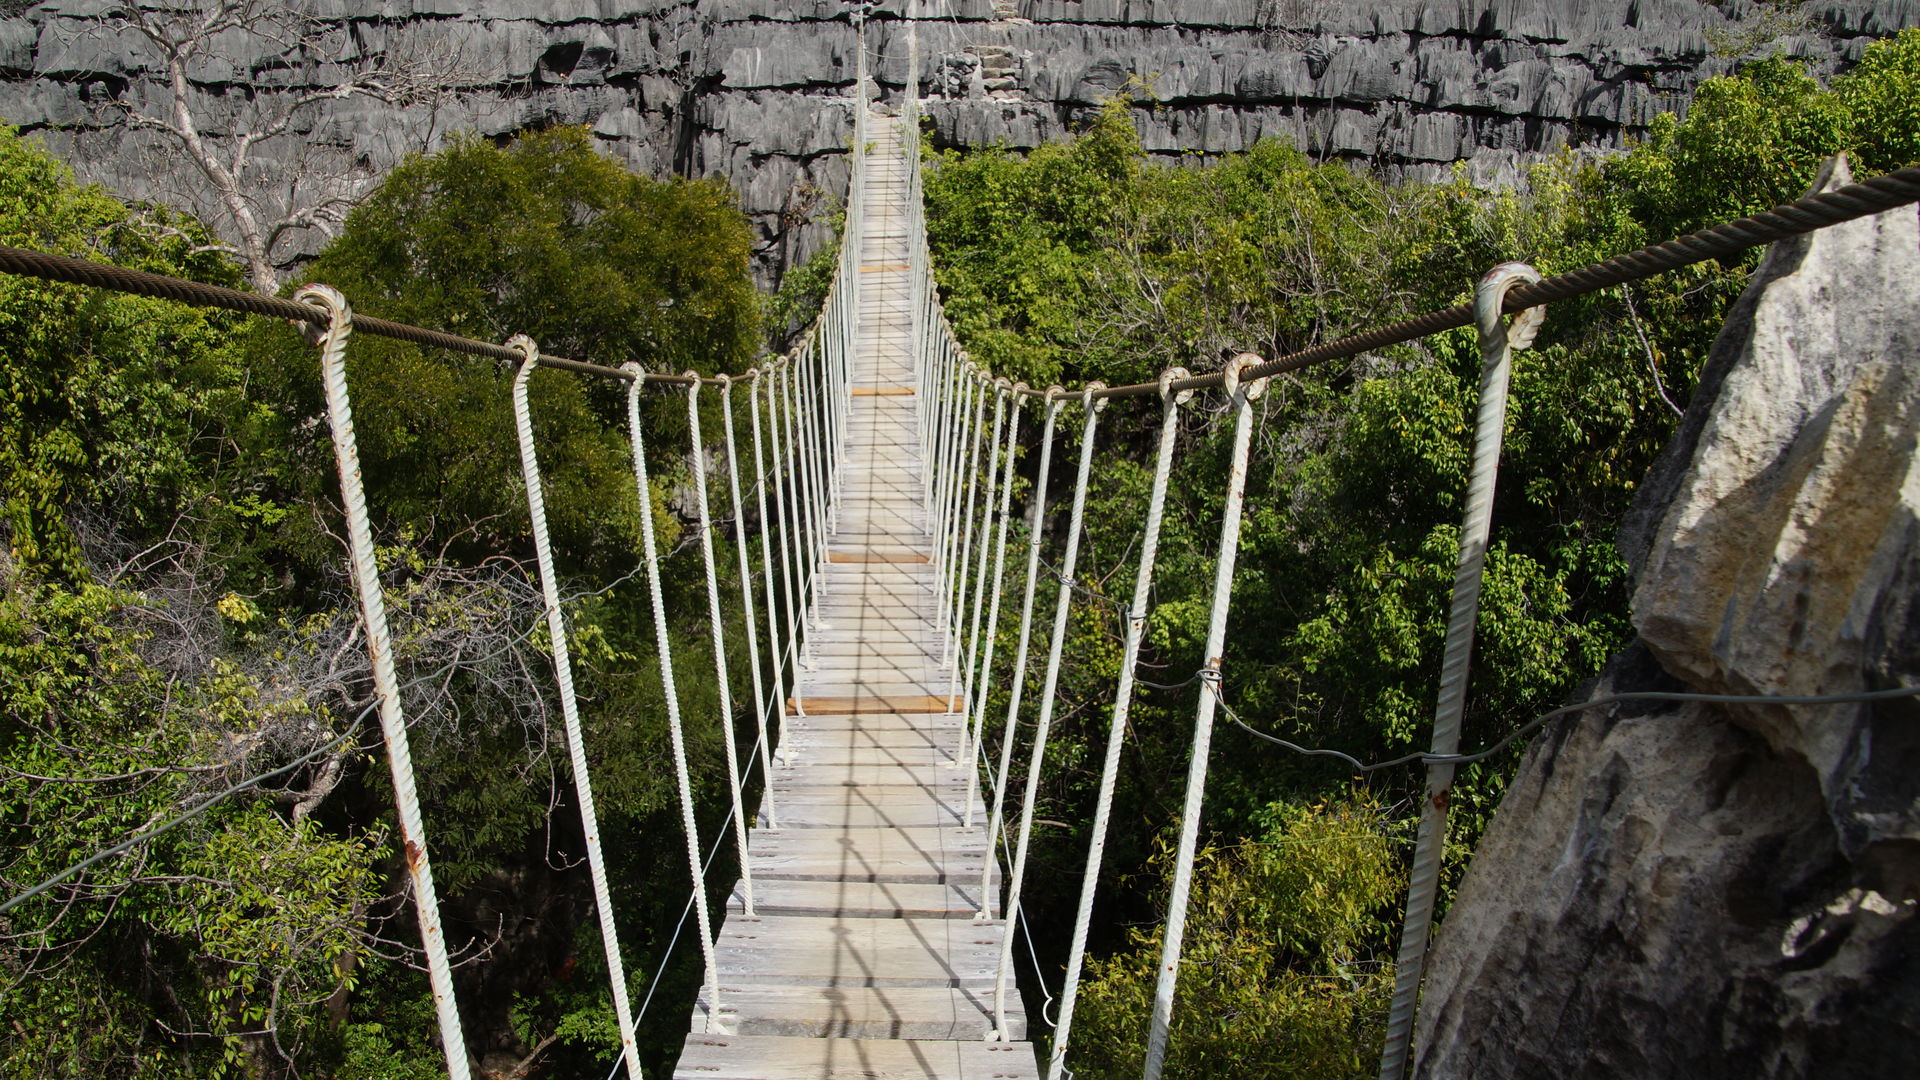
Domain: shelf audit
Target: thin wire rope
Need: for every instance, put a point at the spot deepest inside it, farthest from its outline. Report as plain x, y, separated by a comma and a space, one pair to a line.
993, 617
139, 837
1016, 677
676, 736
717, 627
746, 599
1496, 364
1817, 211
569, 703
1242, 395
339, 322
1543, 719
1062, 609
1860, 199
1135, 622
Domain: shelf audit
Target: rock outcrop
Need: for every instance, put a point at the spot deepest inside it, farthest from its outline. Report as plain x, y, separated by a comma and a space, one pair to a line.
756, 90
1702, 890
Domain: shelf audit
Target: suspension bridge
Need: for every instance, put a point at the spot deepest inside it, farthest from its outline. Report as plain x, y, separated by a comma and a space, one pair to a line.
876, 923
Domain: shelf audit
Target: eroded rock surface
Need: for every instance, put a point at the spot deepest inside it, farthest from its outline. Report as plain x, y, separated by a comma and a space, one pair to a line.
1709, 890
756, 90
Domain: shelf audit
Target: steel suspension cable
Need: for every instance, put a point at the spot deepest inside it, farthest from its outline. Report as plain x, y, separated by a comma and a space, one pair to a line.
1062, 608
337, 325
1497, 342
1016, 677
697, 454
676, 735
1241, 395
569, 703
1117, 727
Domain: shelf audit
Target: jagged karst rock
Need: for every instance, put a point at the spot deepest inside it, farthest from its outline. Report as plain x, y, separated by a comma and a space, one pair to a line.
1707, 890
756, 89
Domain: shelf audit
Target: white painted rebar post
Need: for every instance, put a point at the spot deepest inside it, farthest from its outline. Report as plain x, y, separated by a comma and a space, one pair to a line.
816, 494
948, 535
767, 525
1241, 395
1016, 678
717, 625
963, 517
746, 596
1122, 704
569, 704
676, 735
787, 486
803, 510
816, 457
978, 697
962, 684
1497, 340
1062, 608
386, 683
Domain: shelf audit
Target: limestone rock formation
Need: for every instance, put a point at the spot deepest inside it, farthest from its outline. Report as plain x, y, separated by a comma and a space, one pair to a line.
1707, 890
756, 90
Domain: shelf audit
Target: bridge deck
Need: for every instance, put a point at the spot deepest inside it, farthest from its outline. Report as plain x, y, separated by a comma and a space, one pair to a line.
863, 957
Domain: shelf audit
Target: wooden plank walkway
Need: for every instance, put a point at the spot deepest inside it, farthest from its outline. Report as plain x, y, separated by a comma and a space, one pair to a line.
864, 958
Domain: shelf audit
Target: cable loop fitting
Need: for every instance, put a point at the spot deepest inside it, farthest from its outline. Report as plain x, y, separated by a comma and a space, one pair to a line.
1088, 401
1234, 372
1504, 278
1168, 378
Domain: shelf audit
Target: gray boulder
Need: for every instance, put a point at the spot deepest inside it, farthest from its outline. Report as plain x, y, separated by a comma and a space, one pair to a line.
1700, 890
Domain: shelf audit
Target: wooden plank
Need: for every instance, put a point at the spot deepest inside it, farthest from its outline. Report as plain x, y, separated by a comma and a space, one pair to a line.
883, 391
791, 950
876, 557
858, 1012
860, 704
861, 899
777, 1057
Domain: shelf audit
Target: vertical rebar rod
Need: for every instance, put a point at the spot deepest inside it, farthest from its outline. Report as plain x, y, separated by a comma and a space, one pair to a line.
1241, 395
1117, 727
1497, 341
1062, 609
386, 683
676, 735
697, 455
1016, 678
569, 703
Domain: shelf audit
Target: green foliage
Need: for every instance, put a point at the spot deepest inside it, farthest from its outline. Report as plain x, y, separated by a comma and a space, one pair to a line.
173, 618
1281, 969
1881, 95
1081, 261
102, 396
546, 237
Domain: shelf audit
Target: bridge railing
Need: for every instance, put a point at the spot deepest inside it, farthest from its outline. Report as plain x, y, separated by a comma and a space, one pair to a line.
797, 408
971, 466
795, 412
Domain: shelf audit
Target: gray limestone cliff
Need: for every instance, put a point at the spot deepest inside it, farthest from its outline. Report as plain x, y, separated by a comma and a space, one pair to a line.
1703, 890
757, 90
